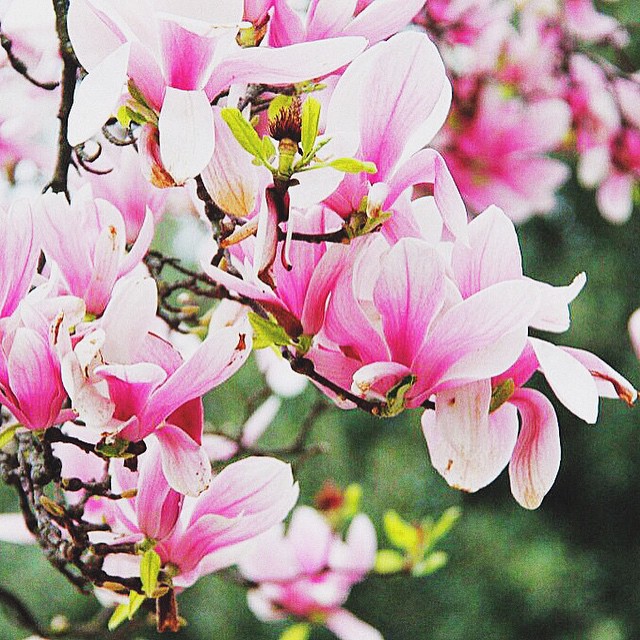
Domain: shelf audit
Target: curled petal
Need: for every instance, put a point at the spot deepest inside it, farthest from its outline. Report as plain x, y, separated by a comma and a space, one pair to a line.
570, 380
185, 463
536, 457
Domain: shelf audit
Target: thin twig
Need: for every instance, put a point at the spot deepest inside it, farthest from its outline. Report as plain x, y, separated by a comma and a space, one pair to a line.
58, 183
19, 66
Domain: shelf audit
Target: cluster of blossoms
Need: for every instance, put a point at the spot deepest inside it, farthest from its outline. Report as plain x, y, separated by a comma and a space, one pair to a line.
335, 235
529, 80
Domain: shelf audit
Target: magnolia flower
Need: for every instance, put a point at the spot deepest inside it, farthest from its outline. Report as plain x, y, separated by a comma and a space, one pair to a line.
309, 571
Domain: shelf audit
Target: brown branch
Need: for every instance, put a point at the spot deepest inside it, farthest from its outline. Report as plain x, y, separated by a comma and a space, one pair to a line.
339, 236
306, 367
19, 66
58, 183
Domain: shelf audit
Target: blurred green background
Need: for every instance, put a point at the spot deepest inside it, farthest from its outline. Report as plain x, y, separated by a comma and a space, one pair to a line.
569, 570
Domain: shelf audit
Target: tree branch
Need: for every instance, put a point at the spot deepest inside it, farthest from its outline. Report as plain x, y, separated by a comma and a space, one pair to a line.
19, 66
58, 183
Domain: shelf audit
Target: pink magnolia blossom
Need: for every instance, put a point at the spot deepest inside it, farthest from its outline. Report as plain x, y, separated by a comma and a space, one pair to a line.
394, 143
245, 499
125, 380
194, 536
125, 187
497, 157
309, 571
473, 432
413, 325
325, 19
87, 242
180, 58
470, 441
299, 300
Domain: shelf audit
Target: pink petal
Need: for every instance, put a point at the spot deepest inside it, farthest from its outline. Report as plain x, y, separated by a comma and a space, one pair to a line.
248, 486
311, 536
97, 96
536, 458
326, 19
130, 387
227, 13
356, 556
570, 380
396, 68
19, 256
553, 314
609, 382
347, 627
271, 559
374, 380
186, 133
13, 529
614, 197
108, 250
185, 463
492, 255
186, 56
479, 337
140, 245
634, 331
428, 167
34, 378
382, 19
285, 26
216, 359
467, 446
273, 66
93, 36
158, 506
126, 330
408, 295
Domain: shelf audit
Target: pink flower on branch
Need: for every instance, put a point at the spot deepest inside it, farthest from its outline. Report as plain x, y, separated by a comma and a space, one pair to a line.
179, 59
308, 572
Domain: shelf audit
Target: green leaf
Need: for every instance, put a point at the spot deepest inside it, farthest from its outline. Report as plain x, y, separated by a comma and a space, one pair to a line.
123, 116
149, 570
135, 602
267, 332
299, 631
6, 435
243, 132
114, 448
388, 561
501, 393
396, 395
120, 614
430, 564
351, 165
124, 612
352, 499
310, 121
401, 534
444, 524
268, 148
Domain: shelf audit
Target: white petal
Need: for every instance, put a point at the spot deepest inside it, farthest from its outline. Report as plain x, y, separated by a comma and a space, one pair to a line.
186, 133
570, 380
97, 96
